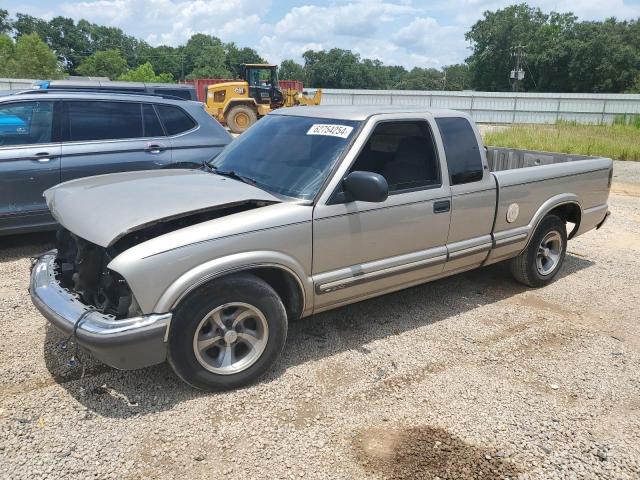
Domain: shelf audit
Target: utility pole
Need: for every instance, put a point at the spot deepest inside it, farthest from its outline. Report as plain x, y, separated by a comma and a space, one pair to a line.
517, 73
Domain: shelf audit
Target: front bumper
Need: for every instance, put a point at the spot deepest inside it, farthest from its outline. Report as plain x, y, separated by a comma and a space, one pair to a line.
124, 344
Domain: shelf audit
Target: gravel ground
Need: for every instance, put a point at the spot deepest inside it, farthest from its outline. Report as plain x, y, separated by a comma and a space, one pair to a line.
472, 376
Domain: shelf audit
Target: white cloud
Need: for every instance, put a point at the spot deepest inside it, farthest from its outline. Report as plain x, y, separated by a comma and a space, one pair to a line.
468, 12
398, 32
436, 44
171, 22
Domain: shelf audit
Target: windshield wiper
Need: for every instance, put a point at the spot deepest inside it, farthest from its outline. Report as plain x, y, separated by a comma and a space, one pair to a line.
232, 174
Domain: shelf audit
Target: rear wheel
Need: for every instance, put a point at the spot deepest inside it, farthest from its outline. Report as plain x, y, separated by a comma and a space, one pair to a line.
541, 261
240, 117
228, 333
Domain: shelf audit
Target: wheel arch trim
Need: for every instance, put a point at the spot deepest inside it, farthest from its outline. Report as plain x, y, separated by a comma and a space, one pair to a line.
547, 207
201, 274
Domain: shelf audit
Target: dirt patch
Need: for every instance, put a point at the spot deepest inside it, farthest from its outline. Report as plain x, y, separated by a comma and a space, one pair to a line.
602, 322
625, 241
629, 189
428, 453
386, 383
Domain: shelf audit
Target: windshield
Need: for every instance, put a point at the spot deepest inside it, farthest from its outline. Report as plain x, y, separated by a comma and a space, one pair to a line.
287, 155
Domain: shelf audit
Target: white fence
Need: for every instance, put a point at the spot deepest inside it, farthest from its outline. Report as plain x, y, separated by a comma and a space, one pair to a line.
500, 107
15, 83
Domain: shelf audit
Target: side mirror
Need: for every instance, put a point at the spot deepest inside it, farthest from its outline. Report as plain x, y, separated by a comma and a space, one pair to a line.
366, 187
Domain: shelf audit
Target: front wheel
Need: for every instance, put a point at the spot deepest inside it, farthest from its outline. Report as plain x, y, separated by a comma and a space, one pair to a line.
240, 117
228, 333
541, 261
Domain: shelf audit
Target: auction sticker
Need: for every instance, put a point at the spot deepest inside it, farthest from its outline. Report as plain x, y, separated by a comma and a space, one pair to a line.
341, 131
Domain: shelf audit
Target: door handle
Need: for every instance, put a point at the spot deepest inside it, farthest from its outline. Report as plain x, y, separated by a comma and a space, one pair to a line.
43, 157
441, 206
155, 148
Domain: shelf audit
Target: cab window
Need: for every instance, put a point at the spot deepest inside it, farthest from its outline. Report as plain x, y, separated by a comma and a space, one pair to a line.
403, 153
462, 151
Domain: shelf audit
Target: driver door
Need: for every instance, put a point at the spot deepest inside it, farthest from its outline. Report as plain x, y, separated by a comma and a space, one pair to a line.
29, 162
362, 249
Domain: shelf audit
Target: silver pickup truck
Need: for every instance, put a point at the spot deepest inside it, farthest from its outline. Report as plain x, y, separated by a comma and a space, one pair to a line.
311, 209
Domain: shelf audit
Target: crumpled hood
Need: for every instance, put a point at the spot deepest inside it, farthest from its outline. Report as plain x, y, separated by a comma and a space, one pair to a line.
104, 208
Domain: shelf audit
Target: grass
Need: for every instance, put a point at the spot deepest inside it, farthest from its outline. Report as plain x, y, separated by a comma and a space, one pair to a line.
620, 141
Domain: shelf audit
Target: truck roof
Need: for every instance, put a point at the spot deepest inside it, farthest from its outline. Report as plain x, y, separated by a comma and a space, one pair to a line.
361, 112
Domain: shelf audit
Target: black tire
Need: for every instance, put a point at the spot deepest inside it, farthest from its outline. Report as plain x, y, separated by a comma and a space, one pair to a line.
525, 268
187, 317
240, 117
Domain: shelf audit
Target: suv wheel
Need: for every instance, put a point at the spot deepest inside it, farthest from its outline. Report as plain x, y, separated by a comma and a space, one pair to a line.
228, 333
240, 117
541, 261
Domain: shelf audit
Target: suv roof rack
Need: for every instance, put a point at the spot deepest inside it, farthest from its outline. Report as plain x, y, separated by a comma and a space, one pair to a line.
98, 91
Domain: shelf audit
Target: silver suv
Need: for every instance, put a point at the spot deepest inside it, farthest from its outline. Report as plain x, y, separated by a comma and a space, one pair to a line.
49, 137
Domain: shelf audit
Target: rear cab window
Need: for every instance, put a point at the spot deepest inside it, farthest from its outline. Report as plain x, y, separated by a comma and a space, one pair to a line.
174, 119
461, 149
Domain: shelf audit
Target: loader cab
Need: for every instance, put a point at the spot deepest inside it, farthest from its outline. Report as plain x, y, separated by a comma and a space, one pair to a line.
263, 84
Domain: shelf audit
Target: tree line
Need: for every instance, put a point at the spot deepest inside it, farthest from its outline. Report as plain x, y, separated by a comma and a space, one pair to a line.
559, 54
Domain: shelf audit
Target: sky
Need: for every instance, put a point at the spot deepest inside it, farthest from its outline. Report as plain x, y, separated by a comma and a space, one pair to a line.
399, 32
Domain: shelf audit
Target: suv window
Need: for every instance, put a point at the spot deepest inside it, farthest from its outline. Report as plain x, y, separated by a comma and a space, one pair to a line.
26, 123
183, 93
96, 120
461, 147
175, 120
152, 127
403, 153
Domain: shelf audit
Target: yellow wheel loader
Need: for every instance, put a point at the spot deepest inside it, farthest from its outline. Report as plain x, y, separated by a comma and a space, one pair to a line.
239, 104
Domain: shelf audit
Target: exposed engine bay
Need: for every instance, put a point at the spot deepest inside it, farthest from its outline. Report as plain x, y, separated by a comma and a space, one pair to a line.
81, 266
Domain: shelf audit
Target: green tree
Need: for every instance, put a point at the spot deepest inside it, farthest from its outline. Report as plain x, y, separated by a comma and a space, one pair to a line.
560, 53
164, 59
421, 79
494, 38
5, 22
290, 70
7, 57
456, 77
335, 68
236, 57
145, 73
107, 63
34, 59
105, 38
205, 57
69, 42
605, 58
27, 24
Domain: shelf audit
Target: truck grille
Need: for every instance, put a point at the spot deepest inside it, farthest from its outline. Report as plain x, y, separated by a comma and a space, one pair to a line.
81, 268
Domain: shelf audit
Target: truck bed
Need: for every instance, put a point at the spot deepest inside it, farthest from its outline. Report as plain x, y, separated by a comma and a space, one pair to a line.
500, 158
531, 183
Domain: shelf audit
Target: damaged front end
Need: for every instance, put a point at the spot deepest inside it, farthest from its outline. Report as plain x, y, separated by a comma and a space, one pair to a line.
81, 268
